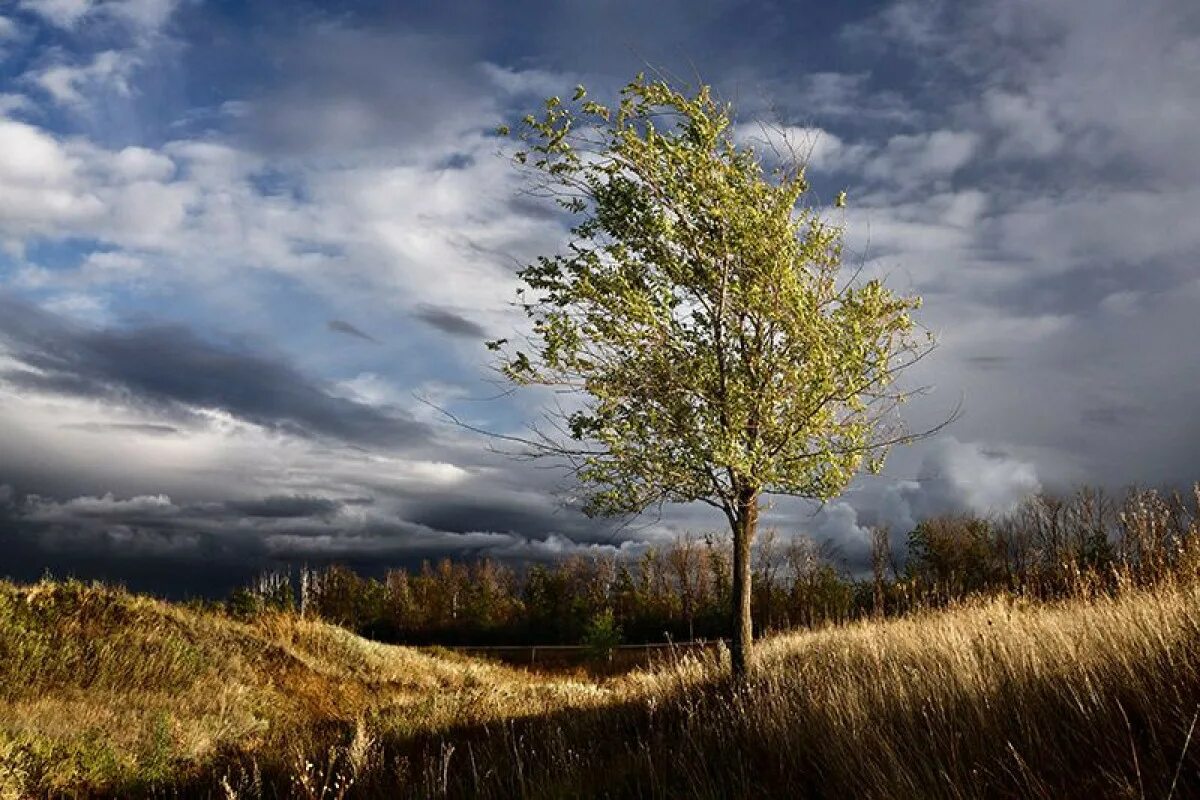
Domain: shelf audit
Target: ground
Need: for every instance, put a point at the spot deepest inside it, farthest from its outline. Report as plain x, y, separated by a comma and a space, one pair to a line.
107, 693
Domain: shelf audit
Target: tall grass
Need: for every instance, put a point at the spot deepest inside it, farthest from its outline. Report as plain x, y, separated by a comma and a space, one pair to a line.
1098, 696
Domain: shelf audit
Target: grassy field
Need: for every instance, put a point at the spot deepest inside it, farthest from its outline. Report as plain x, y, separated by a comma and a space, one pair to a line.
107, 694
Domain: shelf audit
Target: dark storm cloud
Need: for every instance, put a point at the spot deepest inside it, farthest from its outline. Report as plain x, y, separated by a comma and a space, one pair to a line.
170, 368
285, 507
534, 517
153, 558
343, 327
471, 515
449, 322
153, 544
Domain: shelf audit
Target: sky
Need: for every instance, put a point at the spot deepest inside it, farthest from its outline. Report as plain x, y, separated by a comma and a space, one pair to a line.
248, 250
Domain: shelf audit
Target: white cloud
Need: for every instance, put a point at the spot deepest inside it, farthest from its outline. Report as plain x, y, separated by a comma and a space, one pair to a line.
43, 510
63, 13
968, 476
1086, 227
538, 83
146, 15
78, 305
818, 149
29, 155
75, 85
140, 163
1026, 123
38, 188
96, 270
916, 158
1123, 303
142, 16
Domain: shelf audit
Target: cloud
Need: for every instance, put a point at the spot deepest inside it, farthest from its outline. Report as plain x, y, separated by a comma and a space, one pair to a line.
1027, 124
171, 369
911, 158
816, 148
144, 508
847, 98
147, 428
145, 15
30, 156
449, 322
156, 541
10, 102
969, 476
285, 507
63, 13
75, 85
140, 15
340, 326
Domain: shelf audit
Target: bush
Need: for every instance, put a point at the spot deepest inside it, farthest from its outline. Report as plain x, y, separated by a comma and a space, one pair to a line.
602, 636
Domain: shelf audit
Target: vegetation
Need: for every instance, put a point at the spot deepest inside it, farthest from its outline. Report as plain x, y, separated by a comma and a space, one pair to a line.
1081, 683
700, 313
1048, 547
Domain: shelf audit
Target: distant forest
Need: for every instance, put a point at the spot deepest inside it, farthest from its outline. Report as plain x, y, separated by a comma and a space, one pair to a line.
1048, 547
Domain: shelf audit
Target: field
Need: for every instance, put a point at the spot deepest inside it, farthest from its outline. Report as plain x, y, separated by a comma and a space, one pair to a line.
103, 693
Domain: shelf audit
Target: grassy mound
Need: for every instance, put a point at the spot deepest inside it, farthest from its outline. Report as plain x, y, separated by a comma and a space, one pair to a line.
102, 691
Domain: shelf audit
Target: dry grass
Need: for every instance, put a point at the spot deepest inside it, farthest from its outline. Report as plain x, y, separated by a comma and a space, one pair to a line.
105, 693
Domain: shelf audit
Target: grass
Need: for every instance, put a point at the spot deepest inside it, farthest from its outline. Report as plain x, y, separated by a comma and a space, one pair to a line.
105, 693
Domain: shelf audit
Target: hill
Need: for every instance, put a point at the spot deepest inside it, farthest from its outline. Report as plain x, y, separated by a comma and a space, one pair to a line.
106, 693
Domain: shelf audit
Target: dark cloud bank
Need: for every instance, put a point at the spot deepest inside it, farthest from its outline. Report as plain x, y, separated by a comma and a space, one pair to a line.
170, 370
155, 543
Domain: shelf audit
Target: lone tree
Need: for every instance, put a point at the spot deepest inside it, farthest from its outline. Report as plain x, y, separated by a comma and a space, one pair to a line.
698, 314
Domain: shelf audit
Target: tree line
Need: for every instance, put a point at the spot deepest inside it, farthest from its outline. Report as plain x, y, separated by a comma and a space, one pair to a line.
1050, 546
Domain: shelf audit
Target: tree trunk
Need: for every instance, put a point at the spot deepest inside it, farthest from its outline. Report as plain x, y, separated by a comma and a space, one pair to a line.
743, 535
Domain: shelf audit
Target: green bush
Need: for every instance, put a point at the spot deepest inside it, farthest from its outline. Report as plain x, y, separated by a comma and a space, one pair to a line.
602, 635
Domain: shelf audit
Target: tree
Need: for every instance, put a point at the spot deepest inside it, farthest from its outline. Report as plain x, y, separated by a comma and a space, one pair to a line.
602, 635
955, 554
881, 551
685, 560
698, 313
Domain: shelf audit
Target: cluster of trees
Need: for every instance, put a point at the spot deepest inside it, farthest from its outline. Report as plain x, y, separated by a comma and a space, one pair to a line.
682, 592
1049, 546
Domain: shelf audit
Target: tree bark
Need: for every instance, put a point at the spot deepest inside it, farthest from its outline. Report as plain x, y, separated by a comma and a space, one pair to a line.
745, 526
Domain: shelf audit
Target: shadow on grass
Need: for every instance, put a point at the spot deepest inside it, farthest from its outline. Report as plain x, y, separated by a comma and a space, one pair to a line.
1028, 736
633, 750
